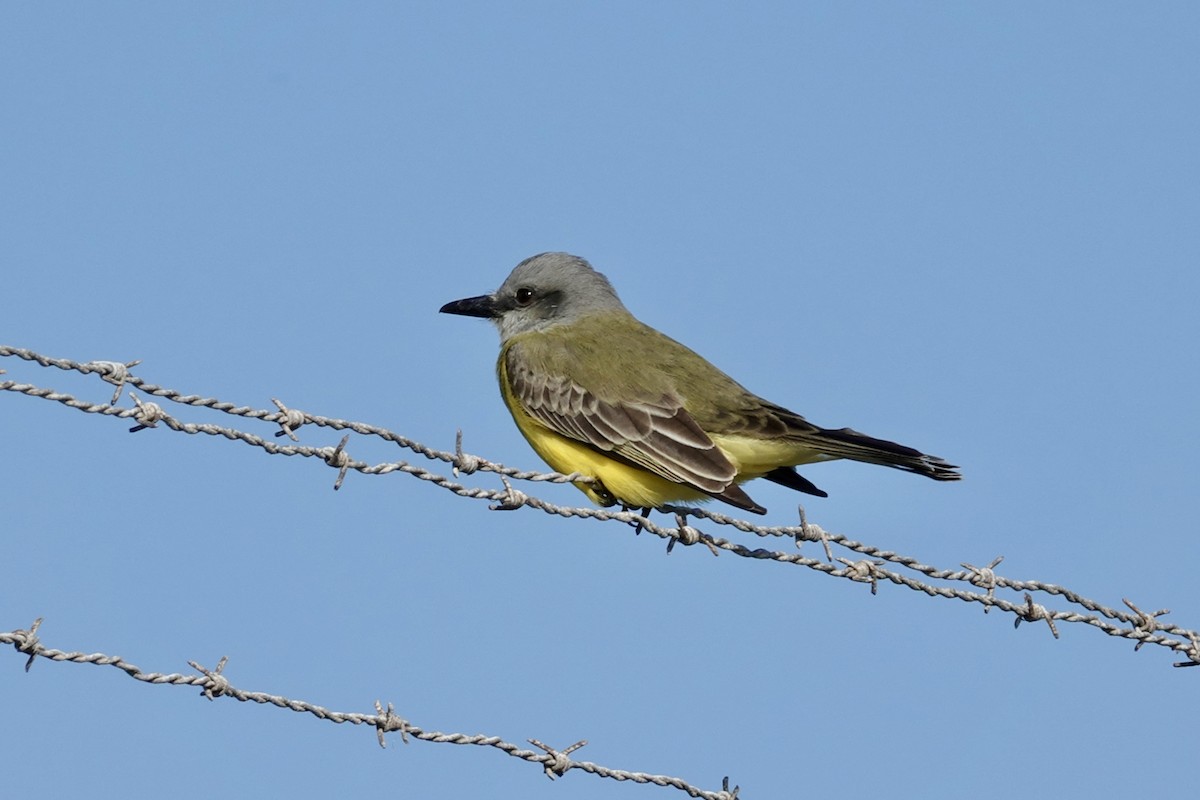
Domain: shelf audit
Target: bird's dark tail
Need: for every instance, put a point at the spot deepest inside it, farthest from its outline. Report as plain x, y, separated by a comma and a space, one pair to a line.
847, 443
855, 446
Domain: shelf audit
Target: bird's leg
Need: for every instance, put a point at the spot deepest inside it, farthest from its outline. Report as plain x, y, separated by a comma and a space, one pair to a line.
637, 529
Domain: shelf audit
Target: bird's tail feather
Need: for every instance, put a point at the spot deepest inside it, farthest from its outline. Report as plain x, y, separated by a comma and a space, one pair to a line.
847, 443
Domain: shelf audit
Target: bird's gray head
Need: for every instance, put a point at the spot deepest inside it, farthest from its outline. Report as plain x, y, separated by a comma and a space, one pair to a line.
545, 290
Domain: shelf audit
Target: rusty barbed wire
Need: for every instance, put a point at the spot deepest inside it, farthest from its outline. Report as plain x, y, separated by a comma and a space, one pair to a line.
874, 565
213, 683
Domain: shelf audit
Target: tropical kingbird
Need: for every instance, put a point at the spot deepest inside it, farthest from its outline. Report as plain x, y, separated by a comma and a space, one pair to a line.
599, 393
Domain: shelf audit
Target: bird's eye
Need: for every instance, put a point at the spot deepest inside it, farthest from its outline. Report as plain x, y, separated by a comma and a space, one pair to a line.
524, 296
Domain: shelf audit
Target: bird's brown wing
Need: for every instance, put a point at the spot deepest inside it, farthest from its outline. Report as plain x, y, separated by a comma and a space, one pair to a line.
654, 432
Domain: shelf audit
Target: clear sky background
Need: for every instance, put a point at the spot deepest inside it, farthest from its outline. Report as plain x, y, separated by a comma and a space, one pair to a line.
969, 227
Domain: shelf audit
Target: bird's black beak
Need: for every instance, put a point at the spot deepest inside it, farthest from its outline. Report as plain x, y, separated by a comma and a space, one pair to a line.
483, 306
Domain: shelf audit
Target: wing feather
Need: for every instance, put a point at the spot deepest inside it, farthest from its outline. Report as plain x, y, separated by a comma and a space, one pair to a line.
656, 434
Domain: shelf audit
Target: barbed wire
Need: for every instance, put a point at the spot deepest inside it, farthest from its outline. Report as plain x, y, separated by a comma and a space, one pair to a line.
1144, 628
873, 565
213, 684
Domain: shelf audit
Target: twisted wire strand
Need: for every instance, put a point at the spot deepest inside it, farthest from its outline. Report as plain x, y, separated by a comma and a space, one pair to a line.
213, 684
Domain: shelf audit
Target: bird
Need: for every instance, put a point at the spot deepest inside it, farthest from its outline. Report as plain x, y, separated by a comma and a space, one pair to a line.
645, 420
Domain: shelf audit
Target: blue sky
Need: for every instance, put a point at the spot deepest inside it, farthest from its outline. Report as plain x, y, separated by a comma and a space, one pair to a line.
968, 227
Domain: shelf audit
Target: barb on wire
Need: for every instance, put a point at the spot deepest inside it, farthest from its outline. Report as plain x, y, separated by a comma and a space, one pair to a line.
214, 684
867, 564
